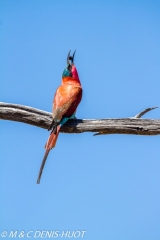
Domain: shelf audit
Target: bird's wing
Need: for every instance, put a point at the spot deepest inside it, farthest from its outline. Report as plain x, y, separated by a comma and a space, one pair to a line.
66, 100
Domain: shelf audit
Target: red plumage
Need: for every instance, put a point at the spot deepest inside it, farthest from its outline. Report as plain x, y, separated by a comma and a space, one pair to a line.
66, 100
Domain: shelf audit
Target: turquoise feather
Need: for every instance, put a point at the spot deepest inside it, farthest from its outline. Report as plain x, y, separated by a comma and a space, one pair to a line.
65, 119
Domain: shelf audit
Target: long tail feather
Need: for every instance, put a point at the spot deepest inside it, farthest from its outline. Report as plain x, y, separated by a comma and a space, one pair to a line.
42, 165
49, 145
53, 138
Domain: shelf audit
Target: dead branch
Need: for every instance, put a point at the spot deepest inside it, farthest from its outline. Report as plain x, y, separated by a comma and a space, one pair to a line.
39, 118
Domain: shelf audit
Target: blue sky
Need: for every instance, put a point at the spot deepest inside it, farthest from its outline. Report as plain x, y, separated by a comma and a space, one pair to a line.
108, 185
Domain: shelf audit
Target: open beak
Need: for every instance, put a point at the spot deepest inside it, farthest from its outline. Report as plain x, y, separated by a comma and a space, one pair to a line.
70, 59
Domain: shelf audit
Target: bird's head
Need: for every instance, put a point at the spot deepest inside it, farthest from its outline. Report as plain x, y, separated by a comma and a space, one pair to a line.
70, 70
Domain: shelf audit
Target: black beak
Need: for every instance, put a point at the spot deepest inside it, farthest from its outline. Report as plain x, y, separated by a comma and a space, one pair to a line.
70, 59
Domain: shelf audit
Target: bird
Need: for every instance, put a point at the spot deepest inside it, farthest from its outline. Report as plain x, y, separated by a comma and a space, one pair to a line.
66, 100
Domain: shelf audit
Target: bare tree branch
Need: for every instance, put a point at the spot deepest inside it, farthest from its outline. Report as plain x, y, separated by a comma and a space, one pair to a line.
43, 119
139, 115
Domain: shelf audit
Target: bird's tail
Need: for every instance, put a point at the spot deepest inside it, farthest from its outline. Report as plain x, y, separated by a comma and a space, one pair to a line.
53, 138
49, 145
42, 165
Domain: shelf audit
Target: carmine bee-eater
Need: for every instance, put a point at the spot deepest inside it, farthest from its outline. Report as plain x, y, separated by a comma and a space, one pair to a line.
66, 100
